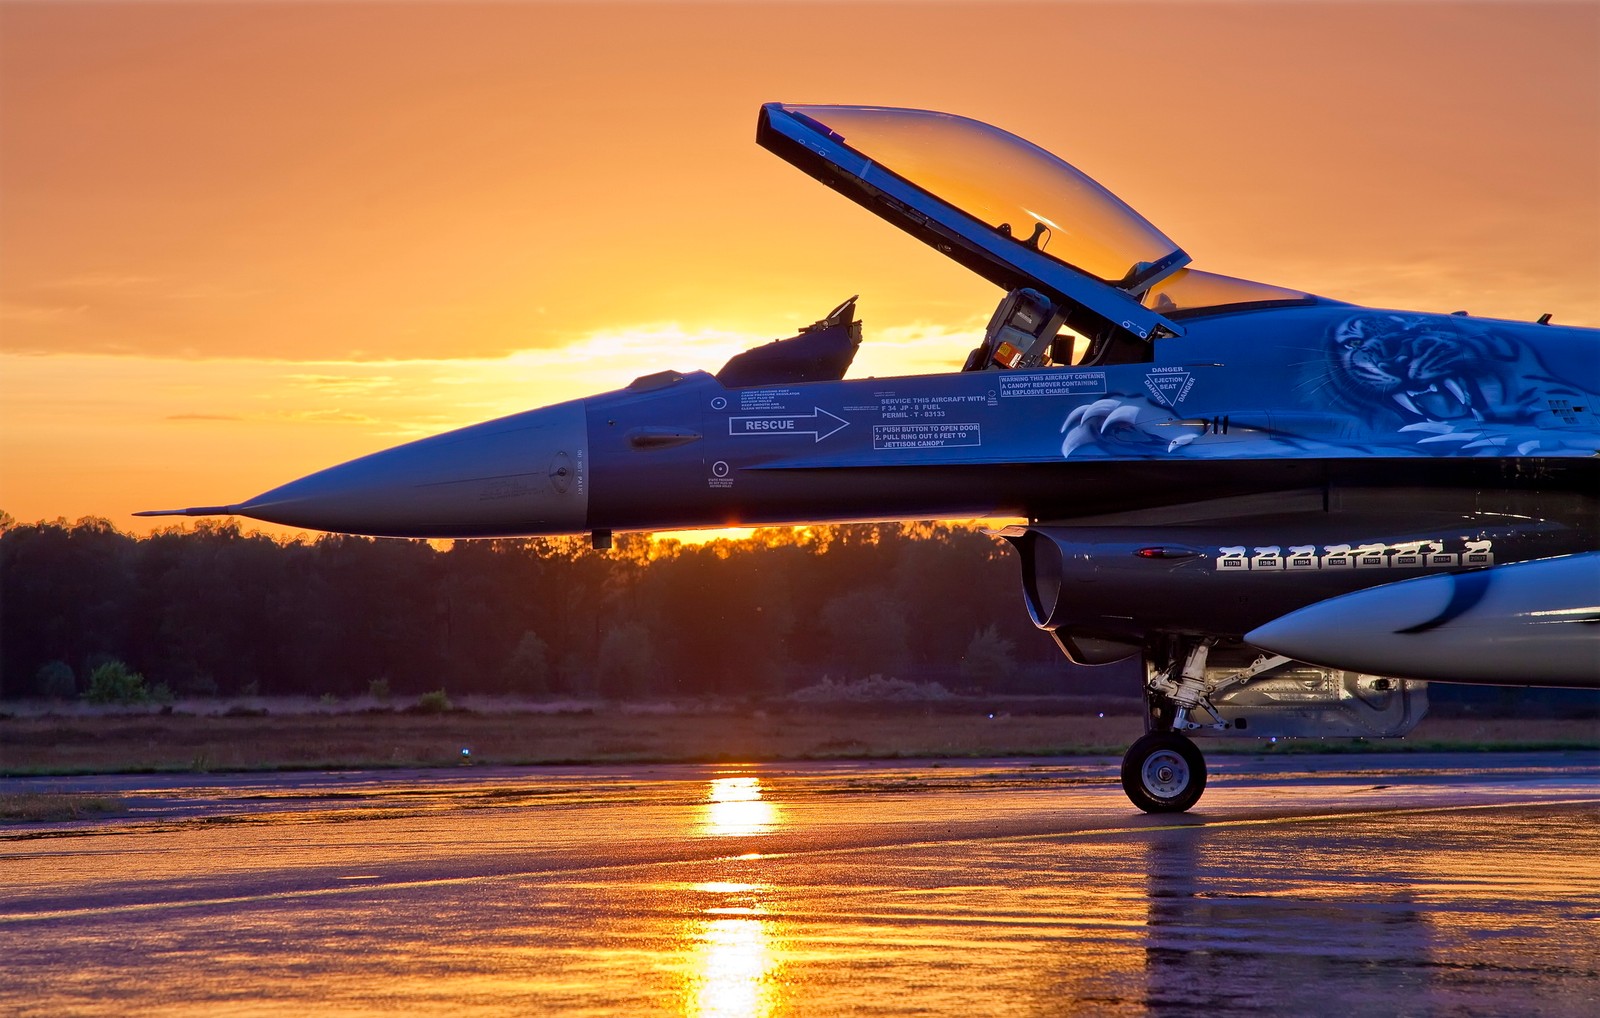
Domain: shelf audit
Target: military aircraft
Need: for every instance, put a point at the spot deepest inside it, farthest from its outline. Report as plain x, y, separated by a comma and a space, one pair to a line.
1291, 508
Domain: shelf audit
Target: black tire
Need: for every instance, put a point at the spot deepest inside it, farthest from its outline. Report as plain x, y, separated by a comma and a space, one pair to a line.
1164, 772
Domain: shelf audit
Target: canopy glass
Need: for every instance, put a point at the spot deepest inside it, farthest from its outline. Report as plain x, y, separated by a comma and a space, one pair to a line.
1008, 183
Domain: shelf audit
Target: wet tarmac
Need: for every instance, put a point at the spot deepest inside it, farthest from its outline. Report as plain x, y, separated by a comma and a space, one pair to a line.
1415, 884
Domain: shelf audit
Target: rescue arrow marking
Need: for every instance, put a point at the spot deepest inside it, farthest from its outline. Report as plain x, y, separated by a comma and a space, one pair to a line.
822, 424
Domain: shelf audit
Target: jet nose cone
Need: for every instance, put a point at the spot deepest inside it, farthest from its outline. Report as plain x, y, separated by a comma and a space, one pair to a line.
523, 474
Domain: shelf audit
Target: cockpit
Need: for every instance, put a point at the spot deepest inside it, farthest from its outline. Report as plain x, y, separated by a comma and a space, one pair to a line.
1087, 279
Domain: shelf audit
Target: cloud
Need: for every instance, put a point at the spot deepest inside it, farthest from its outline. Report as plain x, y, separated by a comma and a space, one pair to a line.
326, 417
344, 383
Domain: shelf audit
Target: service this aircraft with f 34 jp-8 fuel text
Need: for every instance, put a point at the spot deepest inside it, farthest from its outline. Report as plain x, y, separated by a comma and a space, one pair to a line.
1296, 511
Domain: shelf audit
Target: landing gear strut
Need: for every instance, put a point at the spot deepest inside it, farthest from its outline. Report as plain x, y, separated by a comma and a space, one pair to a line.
1163, 772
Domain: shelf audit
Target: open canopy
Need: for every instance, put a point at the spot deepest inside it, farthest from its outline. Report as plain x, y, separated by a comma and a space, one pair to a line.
1000, 205
1009, 184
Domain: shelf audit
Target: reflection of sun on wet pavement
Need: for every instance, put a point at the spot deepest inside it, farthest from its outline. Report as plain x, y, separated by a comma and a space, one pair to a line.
731, 970
979, 889
734, 808
731, 955
732, 959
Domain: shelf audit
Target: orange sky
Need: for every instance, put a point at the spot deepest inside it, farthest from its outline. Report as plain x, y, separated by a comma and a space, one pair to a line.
239, 242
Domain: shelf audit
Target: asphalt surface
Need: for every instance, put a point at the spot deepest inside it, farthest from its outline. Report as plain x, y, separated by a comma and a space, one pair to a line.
1414, 884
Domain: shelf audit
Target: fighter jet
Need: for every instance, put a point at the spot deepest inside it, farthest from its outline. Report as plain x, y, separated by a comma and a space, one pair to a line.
1293, 510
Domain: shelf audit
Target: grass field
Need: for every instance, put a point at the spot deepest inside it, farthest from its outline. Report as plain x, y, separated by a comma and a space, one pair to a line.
110, 742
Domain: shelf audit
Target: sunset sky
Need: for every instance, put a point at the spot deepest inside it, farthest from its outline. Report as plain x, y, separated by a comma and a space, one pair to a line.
241, 242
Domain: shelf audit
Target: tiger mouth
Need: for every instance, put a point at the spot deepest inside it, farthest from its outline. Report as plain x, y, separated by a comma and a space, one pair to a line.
1442, 399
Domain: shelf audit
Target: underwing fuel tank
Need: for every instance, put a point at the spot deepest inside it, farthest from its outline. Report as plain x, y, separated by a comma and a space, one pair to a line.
1101, 590
1528, 623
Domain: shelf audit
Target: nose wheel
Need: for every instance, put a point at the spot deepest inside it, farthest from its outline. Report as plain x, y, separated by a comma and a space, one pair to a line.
1163, 772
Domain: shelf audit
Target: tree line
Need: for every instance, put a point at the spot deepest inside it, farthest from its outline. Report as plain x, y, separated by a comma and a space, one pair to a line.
217, 611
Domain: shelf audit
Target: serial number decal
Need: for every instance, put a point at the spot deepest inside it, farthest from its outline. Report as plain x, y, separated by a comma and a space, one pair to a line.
1428, 554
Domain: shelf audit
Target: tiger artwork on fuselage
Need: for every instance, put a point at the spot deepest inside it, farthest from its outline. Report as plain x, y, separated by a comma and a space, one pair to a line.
1450, 386
1422, 368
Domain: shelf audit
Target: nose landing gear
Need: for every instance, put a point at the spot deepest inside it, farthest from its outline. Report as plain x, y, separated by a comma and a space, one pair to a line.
1163, 772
